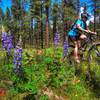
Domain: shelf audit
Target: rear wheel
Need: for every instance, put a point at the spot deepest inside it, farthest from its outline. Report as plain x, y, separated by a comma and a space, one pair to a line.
94, 59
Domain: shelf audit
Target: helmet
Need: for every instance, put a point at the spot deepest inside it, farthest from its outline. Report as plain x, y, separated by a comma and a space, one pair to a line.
83, 15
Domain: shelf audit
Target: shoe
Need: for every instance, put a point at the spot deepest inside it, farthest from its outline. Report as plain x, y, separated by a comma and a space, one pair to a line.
78, 61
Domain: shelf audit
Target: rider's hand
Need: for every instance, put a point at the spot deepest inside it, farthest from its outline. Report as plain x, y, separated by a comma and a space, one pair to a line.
87, 31
94, 33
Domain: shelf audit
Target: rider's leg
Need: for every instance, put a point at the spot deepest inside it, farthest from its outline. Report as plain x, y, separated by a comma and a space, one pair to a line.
76, 52
79, 43
83, 37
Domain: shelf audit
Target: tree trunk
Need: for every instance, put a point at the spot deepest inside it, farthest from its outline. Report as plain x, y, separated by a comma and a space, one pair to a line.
54, 26
41, 29
47, 29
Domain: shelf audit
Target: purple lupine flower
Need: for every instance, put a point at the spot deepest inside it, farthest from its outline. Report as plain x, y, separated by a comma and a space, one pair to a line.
18, 56
18, 59
4, 38
57, 39
65, 48
7, 41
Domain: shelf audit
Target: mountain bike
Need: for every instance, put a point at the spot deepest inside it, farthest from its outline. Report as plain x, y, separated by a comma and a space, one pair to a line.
89, 52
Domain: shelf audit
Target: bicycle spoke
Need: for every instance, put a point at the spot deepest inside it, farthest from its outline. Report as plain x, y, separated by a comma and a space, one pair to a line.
94, 59
97, 51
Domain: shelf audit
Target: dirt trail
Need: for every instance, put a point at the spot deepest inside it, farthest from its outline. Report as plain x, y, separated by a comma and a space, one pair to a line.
52, 95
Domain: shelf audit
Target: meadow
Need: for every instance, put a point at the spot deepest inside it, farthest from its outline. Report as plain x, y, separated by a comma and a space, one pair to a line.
45, 76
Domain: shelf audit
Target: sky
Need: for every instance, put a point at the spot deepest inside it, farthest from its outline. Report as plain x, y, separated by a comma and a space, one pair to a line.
26, 6
89, 4
56, 1
8, 3
4, 4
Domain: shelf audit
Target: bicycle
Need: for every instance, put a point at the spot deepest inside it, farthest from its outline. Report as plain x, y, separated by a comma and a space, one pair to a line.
89, 52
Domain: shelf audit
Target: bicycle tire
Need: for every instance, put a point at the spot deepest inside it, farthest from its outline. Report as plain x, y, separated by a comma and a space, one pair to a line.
94, 59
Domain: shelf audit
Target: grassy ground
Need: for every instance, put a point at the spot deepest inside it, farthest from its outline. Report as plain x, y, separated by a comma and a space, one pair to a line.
47, 77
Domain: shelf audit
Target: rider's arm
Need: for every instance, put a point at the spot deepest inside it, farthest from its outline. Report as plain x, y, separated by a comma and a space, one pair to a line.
87, 31
92, 32
80, 28
79, 24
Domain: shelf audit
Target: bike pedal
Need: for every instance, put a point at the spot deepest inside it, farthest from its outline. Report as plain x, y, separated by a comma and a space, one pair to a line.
83, 59
70, 62
98, 54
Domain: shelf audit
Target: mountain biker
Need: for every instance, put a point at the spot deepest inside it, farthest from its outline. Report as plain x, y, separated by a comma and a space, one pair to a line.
75, 36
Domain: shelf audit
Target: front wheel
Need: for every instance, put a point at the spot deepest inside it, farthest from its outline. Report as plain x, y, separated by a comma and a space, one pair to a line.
94, 59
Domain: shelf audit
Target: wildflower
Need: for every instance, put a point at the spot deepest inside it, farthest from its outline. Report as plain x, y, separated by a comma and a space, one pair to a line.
18, 59
17, 56
7, 42
57, 39
65, 48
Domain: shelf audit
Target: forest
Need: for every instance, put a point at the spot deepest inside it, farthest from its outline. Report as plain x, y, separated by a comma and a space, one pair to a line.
36, 58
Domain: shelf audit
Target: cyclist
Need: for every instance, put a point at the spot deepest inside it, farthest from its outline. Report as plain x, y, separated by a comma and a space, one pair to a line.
75, 36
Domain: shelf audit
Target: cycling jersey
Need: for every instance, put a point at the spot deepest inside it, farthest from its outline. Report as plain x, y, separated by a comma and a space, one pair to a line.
74, 30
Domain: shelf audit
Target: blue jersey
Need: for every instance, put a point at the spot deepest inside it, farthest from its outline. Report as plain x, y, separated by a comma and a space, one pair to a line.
74, 30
